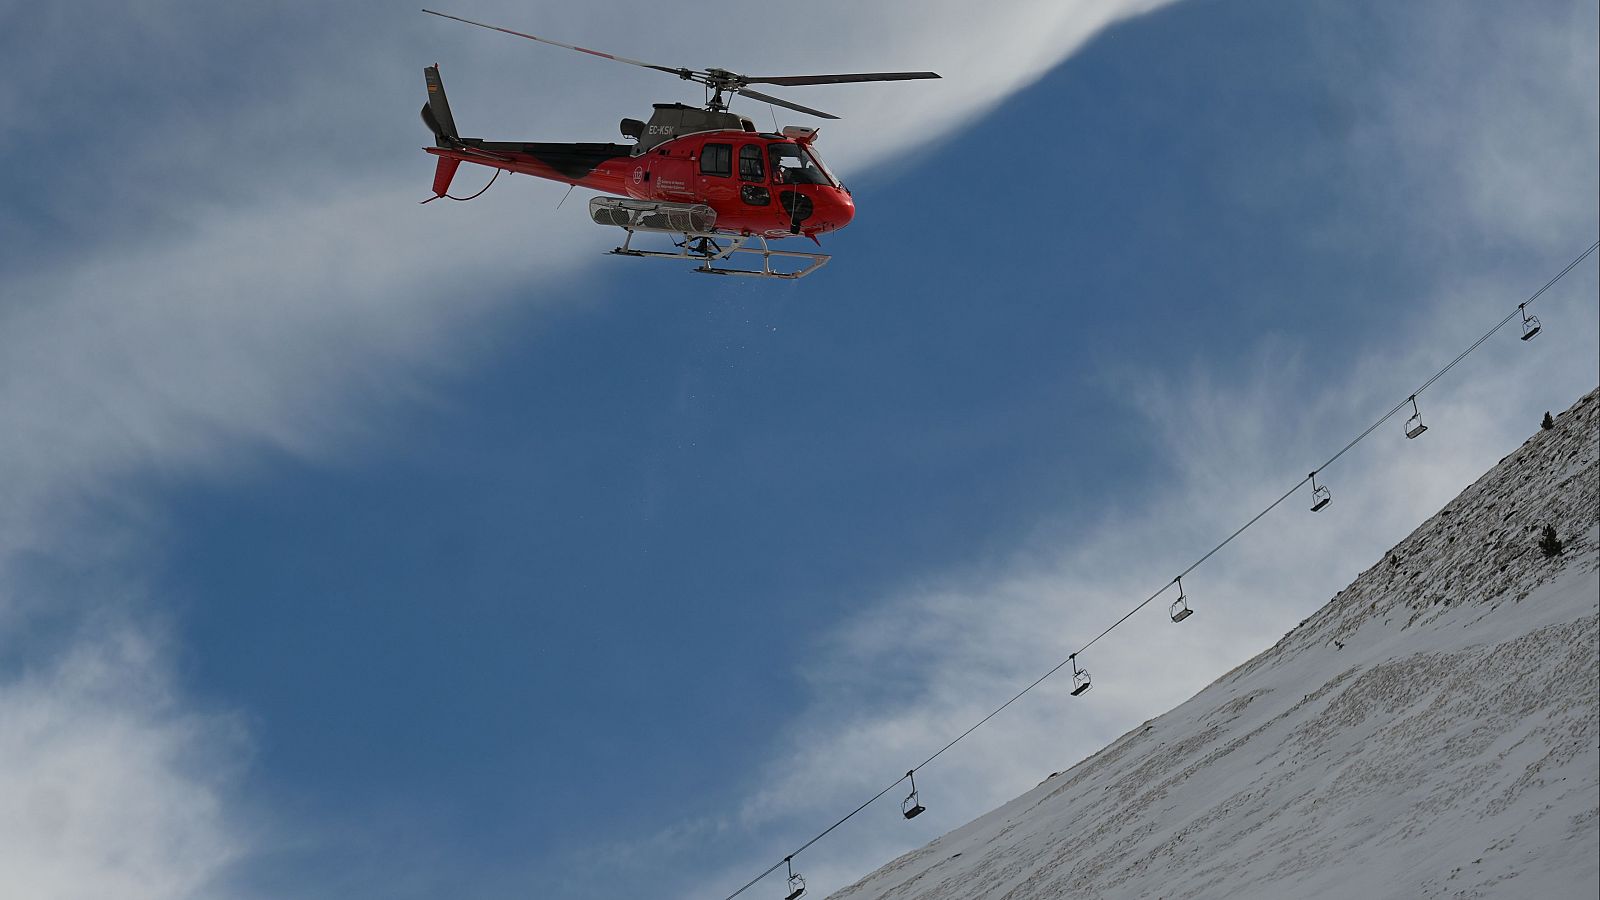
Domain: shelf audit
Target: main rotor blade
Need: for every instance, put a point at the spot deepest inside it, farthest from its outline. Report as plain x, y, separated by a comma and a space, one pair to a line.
681, 73
768, 98
796, 80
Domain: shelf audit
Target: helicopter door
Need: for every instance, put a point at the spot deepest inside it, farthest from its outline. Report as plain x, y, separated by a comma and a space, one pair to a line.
717, 184
753, 176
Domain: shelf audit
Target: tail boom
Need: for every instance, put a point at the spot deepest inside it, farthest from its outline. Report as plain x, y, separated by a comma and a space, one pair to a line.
604, 167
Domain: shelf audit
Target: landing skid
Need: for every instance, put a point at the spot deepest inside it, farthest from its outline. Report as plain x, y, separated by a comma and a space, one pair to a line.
712, 250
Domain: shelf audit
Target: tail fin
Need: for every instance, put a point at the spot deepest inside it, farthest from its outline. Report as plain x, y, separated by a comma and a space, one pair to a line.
436, 115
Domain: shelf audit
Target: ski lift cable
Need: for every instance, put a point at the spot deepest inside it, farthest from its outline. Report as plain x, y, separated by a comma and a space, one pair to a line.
824, 833
1462, 355
1334, 458
1520, 308
1511, 315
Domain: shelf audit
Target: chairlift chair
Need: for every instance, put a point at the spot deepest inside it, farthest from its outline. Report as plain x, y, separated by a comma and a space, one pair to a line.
911, 807
1179, 610
1320, 496
797, 882
1530, 324
1414, 426
1080, 677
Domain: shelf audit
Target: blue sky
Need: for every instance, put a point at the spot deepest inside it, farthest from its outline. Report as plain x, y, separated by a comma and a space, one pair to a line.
353, 547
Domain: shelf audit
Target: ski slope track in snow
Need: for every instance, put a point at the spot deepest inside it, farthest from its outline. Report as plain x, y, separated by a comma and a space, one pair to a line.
1449, 749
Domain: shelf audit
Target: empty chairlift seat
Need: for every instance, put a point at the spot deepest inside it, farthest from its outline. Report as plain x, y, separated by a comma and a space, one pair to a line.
1179, 610
1414, 426
1320, 496
911, 807
1080, 677
797, 882
1530, 324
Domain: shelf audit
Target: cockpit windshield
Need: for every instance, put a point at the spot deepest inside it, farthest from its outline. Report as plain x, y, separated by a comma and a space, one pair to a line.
793, 164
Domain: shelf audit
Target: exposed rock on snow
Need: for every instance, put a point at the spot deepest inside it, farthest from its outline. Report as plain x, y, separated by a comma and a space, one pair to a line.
1433, 731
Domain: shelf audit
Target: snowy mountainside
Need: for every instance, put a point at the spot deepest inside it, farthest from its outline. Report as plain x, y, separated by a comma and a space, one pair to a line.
1432, 732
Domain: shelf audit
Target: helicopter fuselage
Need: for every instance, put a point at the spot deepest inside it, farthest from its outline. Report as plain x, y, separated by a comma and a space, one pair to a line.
773, 185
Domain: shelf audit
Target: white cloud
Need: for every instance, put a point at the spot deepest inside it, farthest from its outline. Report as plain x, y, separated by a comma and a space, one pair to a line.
1503, 120
109, 787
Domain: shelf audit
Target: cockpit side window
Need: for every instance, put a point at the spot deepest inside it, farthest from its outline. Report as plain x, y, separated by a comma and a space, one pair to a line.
750, 164
816, 160
716, 159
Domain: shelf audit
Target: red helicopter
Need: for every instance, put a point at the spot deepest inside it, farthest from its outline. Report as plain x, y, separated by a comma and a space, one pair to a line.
705, 174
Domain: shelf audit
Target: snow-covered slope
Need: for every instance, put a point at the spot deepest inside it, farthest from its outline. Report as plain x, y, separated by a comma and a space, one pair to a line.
1430, 732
